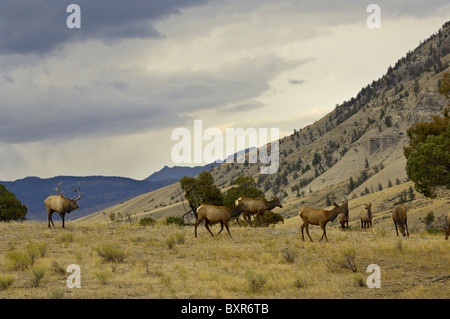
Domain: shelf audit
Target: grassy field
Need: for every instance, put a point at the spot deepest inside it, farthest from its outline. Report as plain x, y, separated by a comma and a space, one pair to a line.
165, 261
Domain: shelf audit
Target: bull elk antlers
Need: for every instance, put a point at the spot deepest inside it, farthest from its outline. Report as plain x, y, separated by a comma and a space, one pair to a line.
75, 190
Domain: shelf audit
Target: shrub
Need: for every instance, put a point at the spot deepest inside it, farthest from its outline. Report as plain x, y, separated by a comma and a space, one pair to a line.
255, 280
36, 250
359, 280
175, 221
111, 253
147, 221
272, 218
36, 274
345, 260
429, 218
19, 260
171, 241
288, 255
104, 277
6, 281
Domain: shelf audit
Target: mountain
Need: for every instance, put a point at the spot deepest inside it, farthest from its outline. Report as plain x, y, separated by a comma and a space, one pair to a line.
98, 192
177, 172
355, 150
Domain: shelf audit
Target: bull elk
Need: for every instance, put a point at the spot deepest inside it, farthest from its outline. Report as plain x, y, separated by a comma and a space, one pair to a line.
216, 214
258, 206
366, 217
399, 215
320, 217
61, 204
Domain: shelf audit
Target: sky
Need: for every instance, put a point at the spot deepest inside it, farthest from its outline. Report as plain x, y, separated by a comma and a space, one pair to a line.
104, 99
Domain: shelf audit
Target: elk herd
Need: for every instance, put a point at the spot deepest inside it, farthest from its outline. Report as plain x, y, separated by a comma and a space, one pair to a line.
255, 206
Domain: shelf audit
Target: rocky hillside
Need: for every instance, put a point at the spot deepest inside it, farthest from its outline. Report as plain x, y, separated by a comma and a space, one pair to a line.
355, 150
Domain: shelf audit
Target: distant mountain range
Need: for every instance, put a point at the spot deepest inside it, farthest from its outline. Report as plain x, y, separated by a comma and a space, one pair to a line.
99, 192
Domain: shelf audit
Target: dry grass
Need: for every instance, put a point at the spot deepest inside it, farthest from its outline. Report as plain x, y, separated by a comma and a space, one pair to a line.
130, 261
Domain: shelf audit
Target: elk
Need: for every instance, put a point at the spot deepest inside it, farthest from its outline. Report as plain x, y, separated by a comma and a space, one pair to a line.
321, 217
216, 214
343, 220
366, 217
447, 229
258, 206
61, 204
399, 215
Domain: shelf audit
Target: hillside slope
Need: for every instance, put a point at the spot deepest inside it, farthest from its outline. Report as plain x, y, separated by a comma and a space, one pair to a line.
362, 139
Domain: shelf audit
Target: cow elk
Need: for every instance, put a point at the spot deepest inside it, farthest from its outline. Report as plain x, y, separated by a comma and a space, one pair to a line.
258, 206
320, 217
366, 217
218, 214
61, 204
399, 215
343, 220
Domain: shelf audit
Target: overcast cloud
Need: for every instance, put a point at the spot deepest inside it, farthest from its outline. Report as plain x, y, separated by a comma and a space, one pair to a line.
103, 99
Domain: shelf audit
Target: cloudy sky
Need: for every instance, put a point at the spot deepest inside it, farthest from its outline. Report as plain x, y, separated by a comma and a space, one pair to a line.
103, 99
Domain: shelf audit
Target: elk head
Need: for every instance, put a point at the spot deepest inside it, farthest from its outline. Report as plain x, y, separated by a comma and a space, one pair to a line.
71, 202
276, 202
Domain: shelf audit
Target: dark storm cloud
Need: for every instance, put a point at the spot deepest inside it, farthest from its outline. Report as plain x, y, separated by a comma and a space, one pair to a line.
39, 26
142, 102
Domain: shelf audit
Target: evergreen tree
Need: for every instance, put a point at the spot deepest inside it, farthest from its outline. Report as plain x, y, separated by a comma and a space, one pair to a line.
244, 186
11, 209
428, 155
201, 190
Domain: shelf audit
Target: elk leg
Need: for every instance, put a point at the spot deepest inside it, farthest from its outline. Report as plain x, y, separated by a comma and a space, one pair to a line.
228, 230
406, 226
196, 224
307, 232
324, 233
396, 229
249, 221
62, 217
303, 226
221, 228
207, 227
50, 219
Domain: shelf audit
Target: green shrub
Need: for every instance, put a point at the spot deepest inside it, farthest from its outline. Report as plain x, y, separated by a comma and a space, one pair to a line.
111, 253
35, 250
6, 281
175, 221
36, 274
19, 260
272, 218
147, 221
